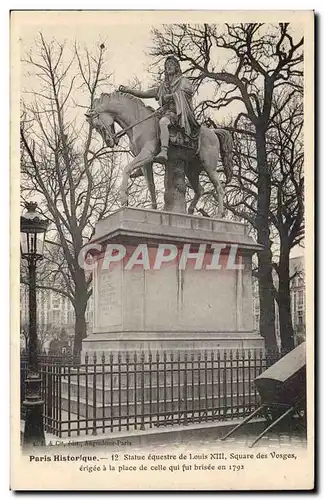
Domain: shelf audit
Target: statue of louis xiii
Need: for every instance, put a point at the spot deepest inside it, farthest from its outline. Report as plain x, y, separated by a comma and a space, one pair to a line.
194, 148
174, 94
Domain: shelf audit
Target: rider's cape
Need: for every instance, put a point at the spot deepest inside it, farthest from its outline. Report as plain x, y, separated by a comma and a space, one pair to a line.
182, 91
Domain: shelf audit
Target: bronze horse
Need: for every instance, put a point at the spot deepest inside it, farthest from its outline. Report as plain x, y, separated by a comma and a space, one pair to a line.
141, 126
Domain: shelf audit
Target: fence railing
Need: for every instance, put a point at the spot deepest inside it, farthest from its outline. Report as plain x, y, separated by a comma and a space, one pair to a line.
139, 391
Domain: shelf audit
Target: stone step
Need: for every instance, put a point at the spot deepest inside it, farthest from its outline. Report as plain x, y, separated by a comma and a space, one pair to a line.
164, 365
132, 409
123, 377
110, 394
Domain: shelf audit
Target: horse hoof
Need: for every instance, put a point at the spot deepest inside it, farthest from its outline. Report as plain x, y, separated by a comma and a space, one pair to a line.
191, 211
161, 158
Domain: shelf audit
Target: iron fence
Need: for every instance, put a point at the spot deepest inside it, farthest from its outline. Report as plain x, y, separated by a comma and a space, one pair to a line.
145, 390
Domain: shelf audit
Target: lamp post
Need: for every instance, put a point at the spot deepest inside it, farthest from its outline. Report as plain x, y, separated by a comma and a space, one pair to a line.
32, 236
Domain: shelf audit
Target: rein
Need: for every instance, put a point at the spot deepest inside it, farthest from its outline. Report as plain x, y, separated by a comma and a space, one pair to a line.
125, 130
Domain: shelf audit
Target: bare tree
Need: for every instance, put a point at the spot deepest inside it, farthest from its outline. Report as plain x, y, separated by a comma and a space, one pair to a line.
260, 60
64, 165
285, 157
287, 203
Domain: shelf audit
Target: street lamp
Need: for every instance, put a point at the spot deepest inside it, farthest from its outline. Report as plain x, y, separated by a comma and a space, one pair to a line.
32, 236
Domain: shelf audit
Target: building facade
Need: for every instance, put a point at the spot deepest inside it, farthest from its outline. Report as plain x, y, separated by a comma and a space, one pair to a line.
55, 317
55, 314
297, 272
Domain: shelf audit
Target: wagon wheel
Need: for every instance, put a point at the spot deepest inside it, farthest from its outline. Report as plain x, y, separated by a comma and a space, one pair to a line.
267, 414
271, 413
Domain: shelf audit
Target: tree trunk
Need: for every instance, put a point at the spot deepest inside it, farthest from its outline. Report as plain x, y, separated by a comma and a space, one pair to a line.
80, 306
284, 304
80, 331
265, 278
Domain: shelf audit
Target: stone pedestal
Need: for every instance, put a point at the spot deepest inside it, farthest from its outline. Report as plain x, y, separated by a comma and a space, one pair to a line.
199, 304
174, 181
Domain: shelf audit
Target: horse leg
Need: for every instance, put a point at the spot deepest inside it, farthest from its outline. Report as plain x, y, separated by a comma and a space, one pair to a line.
145, 156
148, 174
209, 159
193, 177
198, 194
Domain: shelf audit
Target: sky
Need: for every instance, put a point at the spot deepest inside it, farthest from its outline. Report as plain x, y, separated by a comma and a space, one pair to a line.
127, 36
127, 40
125, 44
126, 50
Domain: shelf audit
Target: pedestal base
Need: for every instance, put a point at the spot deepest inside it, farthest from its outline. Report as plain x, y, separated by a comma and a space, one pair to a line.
163, 341
192, 300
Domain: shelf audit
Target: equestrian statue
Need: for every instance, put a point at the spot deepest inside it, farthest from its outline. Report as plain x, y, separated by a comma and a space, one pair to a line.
169, 135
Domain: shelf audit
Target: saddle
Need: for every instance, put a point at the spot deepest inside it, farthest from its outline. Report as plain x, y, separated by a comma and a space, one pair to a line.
178, 137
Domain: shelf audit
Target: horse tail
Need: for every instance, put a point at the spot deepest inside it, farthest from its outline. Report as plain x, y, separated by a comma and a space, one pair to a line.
226, 151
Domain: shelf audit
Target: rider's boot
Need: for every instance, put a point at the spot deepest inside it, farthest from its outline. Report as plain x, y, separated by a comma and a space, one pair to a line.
162, 157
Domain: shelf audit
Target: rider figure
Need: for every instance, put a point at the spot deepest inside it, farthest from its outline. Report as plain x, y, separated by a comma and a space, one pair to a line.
175, 95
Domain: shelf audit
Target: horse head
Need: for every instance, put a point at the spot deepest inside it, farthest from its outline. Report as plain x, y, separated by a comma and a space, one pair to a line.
124, 109
102, 122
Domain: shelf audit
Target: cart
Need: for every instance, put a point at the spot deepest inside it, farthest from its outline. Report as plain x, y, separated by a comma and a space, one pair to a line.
282, 389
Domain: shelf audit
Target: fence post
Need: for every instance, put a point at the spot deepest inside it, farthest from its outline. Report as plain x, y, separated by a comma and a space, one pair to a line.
179, 387
127, 389
111, 371
165, 386
199, 386
150, 386
185, 392
249, 379
119, 363
103, 396
135, 388
225, 383
172, 388
212, 358
67, 372
192, 363
56, 420
231, 380
49, 396
94, 399
86, 366
142, 392
243, 380
206, 385
157, 359
237, 357
78, 399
